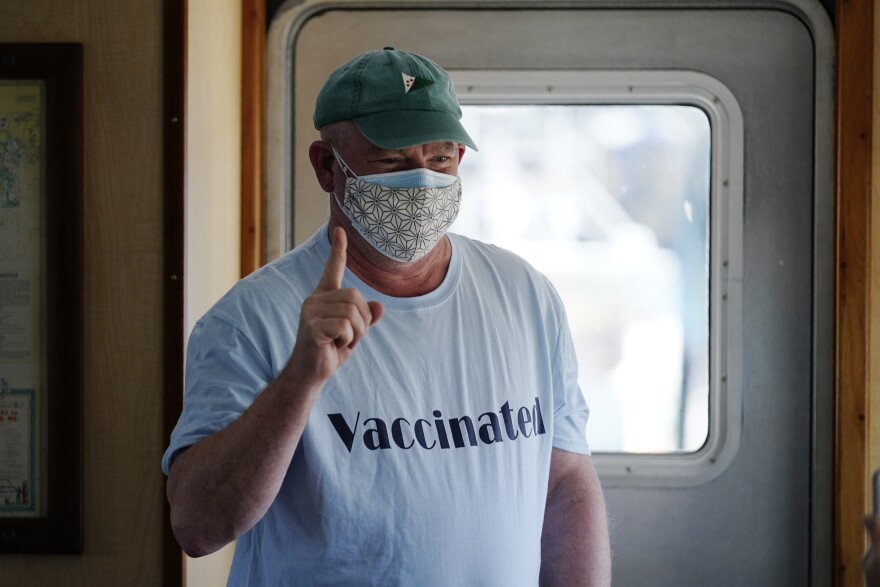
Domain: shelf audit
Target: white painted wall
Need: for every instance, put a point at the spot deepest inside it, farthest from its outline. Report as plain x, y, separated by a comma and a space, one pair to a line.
213, 173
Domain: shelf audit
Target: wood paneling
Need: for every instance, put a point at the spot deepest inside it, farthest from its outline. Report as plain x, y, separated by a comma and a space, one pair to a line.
855, 19
253, 59
123, 288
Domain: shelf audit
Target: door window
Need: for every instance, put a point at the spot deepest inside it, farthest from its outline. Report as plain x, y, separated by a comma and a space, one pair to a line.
611, 203
624, 189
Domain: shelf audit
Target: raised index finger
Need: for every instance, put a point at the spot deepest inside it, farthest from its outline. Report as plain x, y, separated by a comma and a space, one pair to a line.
335, 267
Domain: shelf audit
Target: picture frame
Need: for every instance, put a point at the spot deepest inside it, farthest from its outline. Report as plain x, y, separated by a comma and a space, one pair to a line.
41, 298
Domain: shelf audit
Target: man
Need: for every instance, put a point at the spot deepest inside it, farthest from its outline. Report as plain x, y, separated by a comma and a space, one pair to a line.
414, 419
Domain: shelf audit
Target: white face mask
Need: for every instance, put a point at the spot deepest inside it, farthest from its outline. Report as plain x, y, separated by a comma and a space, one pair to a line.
402, 214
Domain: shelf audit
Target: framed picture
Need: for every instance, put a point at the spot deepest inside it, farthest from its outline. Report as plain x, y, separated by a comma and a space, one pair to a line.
41, 316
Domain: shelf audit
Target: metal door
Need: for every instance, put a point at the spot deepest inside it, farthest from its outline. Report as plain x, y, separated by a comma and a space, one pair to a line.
762, 516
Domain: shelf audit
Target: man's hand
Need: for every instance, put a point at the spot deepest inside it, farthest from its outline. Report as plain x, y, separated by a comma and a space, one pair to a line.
332, 321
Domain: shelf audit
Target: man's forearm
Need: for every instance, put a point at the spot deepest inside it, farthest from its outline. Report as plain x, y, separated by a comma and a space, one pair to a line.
220, 487
575, 548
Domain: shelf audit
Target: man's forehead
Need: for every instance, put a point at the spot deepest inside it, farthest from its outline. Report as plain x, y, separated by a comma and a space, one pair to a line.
435, 147
347, 137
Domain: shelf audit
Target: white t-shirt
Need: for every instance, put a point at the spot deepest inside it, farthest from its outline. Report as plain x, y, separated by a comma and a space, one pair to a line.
425, 459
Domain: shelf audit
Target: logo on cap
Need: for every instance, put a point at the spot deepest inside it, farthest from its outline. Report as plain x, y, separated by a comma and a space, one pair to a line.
408, 82
411, 82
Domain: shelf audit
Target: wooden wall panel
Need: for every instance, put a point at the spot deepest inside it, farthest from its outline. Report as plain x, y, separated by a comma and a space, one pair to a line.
855, 22
874, 351
123, 253
253, 119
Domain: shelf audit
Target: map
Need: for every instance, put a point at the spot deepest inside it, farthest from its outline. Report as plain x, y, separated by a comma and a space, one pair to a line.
21, 259
19, 147
20, 150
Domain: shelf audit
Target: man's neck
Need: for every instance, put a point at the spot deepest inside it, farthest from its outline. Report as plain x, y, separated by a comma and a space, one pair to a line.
402, 280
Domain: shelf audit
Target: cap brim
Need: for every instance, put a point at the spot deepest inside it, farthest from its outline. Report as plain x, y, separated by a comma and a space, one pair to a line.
407, 128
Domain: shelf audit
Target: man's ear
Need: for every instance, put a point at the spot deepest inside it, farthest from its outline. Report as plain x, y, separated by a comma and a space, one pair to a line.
321, 157
461, 150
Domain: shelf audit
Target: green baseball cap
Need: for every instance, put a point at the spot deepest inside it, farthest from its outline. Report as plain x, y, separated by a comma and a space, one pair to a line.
396, 98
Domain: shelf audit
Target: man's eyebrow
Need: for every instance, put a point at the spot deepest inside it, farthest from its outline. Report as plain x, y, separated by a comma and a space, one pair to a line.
383, 153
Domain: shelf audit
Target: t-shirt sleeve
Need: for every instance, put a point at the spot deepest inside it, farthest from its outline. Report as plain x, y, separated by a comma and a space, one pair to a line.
570, 412
224, 374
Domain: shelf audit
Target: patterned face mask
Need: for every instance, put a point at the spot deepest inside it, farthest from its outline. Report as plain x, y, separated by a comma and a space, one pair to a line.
402, 214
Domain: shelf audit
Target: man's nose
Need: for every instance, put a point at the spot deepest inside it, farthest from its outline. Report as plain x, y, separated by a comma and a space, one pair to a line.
417, 163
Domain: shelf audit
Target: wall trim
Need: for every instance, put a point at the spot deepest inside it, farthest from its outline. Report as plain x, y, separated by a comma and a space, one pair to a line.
174, 110
253, 96
855, 40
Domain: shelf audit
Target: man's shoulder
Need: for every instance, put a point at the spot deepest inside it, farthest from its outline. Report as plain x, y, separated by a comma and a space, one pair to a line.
501, 260
471, 247
495, 271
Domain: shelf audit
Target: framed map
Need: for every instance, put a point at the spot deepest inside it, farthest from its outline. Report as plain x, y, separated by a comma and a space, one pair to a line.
40, 298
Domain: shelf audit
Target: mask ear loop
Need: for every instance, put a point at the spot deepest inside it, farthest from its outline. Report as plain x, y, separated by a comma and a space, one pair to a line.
345, 168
